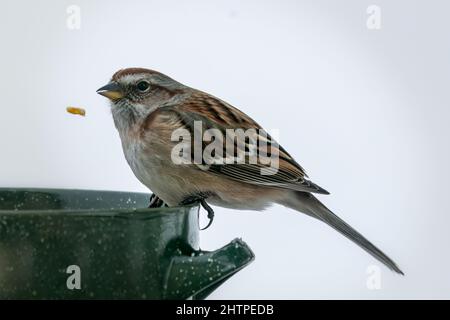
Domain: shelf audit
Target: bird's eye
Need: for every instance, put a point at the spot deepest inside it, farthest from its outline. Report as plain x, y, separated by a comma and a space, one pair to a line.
143, 86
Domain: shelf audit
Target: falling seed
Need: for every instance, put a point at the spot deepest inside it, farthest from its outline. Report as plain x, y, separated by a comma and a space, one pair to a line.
78, 111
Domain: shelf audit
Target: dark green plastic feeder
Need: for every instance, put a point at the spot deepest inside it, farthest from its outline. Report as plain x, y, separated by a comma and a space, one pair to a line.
75, 244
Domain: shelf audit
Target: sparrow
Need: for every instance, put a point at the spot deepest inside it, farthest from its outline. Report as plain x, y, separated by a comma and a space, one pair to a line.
148, 107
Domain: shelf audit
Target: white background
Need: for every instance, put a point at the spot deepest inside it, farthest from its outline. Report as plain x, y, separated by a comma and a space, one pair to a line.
366, 112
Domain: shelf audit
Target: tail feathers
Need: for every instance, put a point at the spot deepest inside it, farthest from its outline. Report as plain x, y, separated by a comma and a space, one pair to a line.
307, 203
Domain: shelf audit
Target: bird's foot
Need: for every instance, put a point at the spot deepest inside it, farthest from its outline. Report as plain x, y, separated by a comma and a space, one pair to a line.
156, 202
200, 199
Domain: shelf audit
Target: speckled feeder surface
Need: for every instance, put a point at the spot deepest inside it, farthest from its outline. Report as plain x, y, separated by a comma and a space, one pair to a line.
80, 244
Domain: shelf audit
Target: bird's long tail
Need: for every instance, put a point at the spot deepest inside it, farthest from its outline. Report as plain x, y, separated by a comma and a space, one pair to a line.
308, 204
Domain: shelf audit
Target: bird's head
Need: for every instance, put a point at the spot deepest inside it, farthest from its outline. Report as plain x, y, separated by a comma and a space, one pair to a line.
136, 92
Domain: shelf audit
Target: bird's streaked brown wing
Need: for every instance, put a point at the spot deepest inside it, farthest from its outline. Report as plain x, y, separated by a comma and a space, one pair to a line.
215, 113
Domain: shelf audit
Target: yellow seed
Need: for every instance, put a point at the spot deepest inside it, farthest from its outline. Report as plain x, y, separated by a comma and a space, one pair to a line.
78, 111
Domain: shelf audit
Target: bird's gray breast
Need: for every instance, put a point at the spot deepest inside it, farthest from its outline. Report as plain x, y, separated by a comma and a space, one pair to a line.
144, 163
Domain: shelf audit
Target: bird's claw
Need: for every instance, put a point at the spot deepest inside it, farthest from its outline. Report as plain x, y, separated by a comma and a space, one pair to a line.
202, 201
210, 213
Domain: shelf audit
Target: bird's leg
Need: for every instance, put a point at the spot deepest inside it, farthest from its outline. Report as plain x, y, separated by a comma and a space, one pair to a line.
156, 202
200, 198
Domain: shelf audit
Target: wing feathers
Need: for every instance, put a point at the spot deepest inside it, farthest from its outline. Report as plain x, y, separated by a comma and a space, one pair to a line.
214, 113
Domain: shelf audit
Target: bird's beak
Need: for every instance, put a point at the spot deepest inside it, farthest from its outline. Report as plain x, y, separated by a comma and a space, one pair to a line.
112, 91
